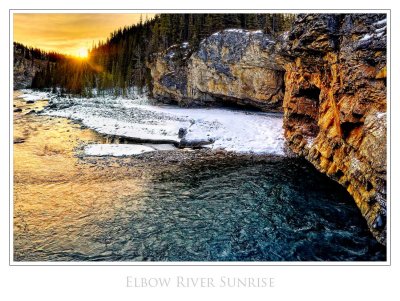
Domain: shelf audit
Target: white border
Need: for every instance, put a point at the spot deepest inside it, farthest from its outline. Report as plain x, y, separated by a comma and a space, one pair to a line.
292, 282
202, 263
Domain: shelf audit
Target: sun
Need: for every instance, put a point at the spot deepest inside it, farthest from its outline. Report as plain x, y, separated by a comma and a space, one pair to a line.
82, 53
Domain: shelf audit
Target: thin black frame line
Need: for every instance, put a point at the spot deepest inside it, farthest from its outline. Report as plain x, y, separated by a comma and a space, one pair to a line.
388, 260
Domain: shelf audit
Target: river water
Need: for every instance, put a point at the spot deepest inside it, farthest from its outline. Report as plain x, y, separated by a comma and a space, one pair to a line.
173, 206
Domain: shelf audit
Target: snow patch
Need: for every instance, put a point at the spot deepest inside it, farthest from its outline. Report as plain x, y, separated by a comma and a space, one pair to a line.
116, 150
380, 115
310, 142
380, 29
171, 55
30, 95
162, 147
238, 30
383, 21
366, 37
232, 130
355, 164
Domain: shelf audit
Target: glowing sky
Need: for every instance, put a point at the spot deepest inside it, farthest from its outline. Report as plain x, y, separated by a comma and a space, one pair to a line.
68, 33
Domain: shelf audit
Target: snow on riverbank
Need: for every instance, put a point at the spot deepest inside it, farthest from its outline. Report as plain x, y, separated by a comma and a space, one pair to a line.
30, 95
118, 150
140, 118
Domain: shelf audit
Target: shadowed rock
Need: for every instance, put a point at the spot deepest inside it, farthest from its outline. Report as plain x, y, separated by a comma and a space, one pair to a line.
182, 132
234, 66
335, 104
197, 143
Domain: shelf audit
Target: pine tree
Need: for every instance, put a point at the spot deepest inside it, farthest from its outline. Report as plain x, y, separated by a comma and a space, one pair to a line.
120, 62
252, 22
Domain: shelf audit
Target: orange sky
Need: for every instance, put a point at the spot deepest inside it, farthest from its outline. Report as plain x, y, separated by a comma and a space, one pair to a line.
68, 33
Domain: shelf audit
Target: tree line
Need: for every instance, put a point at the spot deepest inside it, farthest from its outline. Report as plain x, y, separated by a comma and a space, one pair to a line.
119, 63
31, 53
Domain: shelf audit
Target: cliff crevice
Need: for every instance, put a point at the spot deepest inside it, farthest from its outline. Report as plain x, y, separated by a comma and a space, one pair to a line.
328, 75
335, 104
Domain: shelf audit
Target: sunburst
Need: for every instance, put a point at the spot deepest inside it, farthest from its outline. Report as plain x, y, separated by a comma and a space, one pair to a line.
82, 53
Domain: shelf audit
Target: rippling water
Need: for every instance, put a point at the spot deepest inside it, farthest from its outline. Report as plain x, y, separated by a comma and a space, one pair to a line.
273, 211
278, 210
216, 209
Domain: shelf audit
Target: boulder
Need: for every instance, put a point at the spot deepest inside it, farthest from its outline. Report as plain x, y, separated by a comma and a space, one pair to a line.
195, 143
182, 132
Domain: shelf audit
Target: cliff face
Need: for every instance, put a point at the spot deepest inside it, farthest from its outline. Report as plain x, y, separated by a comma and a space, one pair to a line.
334, 68
169, 73
234, 65
24, 70
335, 104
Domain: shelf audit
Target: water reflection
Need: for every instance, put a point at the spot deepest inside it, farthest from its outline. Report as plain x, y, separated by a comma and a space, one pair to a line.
68, 208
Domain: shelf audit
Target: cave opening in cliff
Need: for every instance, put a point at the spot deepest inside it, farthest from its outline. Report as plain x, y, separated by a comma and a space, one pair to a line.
236, 104
311, 93
307, 109
348, 127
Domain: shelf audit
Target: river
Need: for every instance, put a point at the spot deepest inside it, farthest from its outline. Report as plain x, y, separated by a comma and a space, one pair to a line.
211, 204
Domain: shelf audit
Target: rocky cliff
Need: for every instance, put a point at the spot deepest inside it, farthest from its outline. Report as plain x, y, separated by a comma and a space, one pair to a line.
334, 69
24, 69
335, 104
234, 66
169, 73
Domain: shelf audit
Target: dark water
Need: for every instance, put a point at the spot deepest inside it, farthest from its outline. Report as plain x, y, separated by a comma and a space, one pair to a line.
231, 210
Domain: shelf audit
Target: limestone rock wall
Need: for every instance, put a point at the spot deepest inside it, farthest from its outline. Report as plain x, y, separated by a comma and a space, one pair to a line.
169, 73
331, 69
233, 65
335, 104
24, 70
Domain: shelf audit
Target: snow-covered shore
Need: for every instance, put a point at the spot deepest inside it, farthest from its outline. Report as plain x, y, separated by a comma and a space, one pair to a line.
140, 118
30, 95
